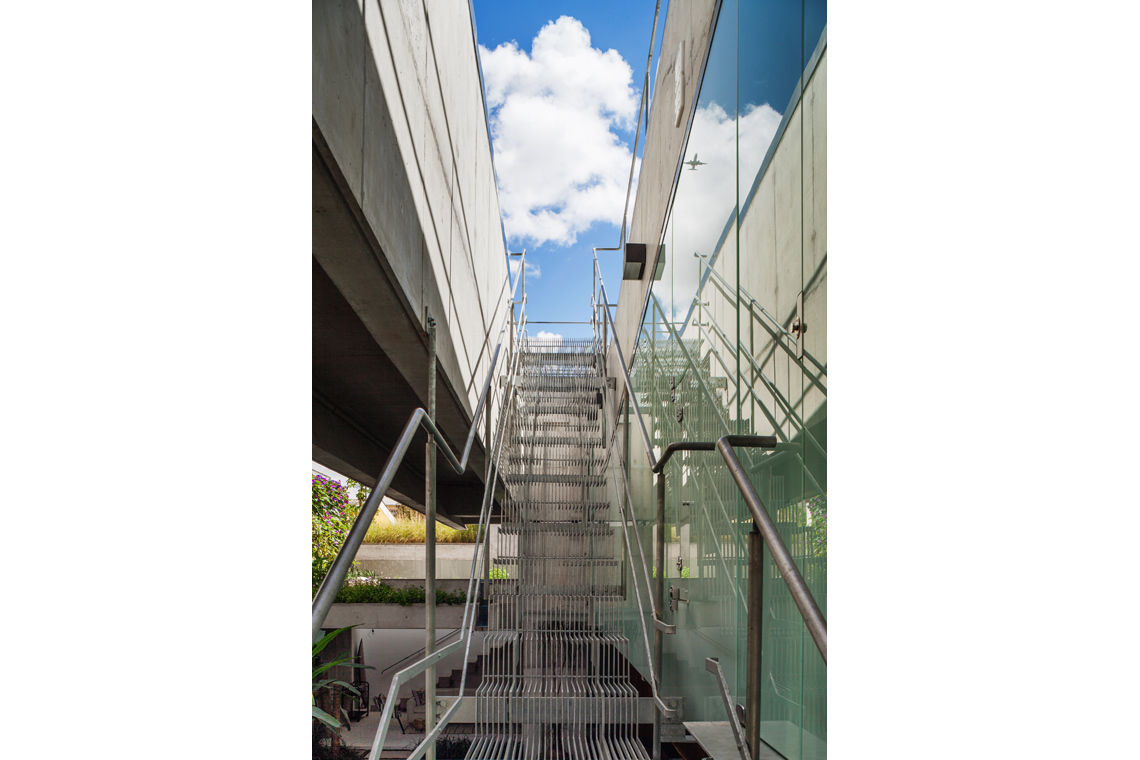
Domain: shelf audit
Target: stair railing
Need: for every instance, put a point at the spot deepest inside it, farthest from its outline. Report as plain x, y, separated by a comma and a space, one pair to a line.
326, 593
474, 583
624, 499
452, 634
764, 528
805, 602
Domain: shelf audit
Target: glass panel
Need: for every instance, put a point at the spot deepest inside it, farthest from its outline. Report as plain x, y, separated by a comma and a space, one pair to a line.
779, 254
717, 354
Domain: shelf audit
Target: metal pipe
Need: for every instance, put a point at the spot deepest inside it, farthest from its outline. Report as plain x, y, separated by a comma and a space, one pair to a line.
800, 592
429, 546
488, 478
754, 441
640, 111
712, 665
658, 599
467, 624
625, 374
755, 620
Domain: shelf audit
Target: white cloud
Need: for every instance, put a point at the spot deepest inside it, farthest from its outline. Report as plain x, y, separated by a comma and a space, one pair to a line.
551, 341
560, 165
532, 270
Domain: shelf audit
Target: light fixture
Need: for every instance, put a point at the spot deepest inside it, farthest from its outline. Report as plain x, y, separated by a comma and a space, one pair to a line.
634, 261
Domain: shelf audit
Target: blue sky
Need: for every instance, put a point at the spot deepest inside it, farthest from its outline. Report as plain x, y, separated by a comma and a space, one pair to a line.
563, 114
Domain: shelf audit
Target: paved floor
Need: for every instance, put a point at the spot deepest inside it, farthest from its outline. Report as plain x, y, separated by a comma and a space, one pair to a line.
364, 731
717, 739
396, 744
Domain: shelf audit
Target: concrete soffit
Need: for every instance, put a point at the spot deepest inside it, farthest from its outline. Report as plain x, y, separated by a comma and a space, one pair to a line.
369, 235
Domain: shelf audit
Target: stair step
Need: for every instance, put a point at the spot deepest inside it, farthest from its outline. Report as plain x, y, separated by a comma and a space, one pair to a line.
555, 461
585, 480
558, 440
559, 382
513, 559
568, 410
563, 527
530, 504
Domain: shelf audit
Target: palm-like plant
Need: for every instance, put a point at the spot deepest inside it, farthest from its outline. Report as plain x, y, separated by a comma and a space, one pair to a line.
332, 683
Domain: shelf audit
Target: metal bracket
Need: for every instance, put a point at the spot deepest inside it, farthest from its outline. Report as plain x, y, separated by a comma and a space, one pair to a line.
662, 626
798, 326
672, 728
712, 665
675, 596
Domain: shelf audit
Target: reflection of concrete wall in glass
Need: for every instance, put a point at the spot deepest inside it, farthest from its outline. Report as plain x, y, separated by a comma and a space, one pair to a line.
733, 339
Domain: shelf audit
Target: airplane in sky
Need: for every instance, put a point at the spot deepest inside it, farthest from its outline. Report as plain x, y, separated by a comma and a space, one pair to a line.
694, 163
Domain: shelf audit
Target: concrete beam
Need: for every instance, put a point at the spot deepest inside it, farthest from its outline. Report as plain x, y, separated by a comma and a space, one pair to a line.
392, 616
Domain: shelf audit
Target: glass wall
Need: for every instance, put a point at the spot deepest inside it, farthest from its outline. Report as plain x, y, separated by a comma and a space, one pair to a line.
734, 341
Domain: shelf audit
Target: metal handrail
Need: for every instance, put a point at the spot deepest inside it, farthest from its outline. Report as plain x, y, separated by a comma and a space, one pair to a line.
421, 650
712, 665
797, 586
637, 134
805, 602
323, 600
658, 623
469, 611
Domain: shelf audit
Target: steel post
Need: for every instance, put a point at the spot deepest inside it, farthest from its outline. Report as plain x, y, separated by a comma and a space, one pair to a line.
491, 504
429, 547
659, 601
755, 618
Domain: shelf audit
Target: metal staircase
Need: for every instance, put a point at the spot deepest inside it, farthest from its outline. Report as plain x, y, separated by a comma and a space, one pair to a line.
556, 676
571, 583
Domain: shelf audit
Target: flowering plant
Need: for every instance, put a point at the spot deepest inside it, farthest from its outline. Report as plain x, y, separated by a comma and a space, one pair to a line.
334, 510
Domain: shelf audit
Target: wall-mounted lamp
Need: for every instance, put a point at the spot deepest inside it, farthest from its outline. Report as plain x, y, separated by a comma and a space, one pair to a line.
634, 261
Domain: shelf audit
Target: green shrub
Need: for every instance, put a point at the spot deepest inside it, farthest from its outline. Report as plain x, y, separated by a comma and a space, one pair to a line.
367, 588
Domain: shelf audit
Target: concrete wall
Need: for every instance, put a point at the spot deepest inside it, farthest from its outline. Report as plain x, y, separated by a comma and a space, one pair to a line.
397, 100
779, 256
452, 561
684, 43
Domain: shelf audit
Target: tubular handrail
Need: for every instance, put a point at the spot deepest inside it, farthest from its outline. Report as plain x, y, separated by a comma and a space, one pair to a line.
801, 594
658, 623
712, 665
421, 650
761, 441
326, 593
474, 583
637, 135
805, 602
665, 709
